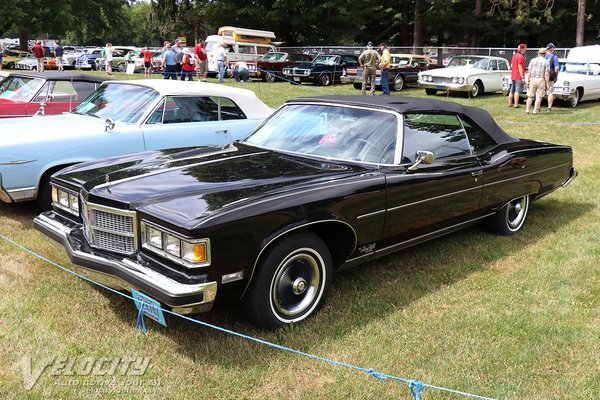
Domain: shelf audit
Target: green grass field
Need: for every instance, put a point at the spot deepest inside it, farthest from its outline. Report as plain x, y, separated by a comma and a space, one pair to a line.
505, 317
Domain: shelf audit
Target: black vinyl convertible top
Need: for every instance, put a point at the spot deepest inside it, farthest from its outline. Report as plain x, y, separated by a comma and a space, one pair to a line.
60, 76
402, 104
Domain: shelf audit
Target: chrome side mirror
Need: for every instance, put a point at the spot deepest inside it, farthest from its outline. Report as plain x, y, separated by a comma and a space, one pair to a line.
40, 110
110, 124
425, 157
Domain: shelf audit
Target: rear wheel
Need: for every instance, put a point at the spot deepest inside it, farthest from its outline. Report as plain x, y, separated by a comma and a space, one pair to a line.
510, 218
122, 67
398, 83
431, 92
291, 282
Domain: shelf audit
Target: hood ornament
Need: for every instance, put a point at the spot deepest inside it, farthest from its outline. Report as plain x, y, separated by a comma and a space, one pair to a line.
107, 182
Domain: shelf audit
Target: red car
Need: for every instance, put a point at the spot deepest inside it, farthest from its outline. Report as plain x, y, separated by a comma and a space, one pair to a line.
24, 94
269, 67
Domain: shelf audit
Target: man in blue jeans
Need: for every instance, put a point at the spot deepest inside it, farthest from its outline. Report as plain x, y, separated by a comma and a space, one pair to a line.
385, 68
168, 61
222, 60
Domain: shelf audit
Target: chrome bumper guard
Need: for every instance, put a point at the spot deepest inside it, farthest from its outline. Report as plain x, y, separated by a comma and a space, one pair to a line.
126, 274
573, 174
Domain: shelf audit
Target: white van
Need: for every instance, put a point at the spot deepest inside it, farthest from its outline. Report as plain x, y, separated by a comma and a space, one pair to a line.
242, 45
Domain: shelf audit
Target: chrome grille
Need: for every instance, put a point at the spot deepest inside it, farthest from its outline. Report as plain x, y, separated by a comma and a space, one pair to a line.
110, 229
439, 79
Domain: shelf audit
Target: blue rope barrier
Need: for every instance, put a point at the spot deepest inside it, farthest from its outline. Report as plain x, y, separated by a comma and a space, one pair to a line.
415, 386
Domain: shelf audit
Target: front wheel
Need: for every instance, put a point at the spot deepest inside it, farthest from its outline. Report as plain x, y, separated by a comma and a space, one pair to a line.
398, 83
575, 100
477, 89
431, 92
325, 80
291, 282
10, 65
270, 77
510, 218
122, 67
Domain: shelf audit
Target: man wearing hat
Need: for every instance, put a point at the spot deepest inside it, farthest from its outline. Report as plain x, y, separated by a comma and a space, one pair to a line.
517, 75
539, 77
368, 60
554, 67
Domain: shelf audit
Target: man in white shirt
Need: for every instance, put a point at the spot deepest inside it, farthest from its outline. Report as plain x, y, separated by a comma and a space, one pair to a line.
222, 60
240, 72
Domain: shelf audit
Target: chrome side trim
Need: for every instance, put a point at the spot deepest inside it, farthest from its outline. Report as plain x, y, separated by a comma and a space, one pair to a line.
284, 195
433, 198
417, 239
17, 162
22, 194
525, 175
285, 233
373, 214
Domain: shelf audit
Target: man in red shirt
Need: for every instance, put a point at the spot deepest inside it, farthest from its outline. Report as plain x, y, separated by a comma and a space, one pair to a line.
517, 76
147, 61
201, 60
38, 52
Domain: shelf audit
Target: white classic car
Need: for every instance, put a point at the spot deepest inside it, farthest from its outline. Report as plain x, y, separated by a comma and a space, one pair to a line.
118, 118
578, 79
468, 73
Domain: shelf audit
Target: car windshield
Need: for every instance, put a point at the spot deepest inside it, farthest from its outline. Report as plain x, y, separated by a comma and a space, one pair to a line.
401, 61
17, 88
333, 132
119, 102
327, 60
581, 68
472, 61
273, 57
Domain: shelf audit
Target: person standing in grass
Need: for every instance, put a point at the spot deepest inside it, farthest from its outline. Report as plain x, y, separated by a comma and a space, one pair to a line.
554, 67
539, 77
517, 76
187, 65
201, 60
147, 55
385, 64
58, 55
108, 58
168, 61
368, 60
38, 53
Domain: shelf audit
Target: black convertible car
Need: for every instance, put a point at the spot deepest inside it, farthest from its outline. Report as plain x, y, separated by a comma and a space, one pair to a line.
324, 184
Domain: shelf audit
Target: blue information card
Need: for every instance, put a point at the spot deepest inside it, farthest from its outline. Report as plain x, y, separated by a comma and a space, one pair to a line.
151, 309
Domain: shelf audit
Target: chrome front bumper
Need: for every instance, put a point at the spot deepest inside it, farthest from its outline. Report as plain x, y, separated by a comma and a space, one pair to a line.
465, 87
126, 274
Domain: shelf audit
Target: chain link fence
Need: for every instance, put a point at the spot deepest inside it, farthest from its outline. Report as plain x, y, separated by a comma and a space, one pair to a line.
441, 54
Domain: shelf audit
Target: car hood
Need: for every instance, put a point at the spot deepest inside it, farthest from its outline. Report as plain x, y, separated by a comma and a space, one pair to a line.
34, 130
190, 187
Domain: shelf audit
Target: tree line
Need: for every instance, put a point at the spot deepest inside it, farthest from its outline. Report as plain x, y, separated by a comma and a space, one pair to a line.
477, 23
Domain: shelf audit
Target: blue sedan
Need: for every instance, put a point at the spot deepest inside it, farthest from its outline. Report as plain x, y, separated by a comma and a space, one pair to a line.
121, 117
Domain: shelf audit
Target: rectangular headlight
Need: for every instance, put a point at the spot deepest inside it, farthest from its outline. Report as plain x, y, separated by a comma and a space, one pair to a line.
191, 253
172, 245
153, 237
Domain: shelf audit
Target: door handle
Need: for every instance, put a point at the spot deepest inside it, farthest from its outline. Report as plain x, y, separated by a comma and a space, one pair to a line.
476, 173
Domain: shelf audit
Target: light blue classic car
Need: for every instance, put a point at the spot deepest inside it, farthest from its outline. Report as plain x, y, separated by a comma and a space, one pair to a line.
121, 117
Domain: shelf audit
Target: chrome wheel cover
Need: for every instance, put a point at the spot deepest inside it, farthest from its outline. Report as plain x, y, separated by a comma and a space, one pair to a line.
297, 285
516, 213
